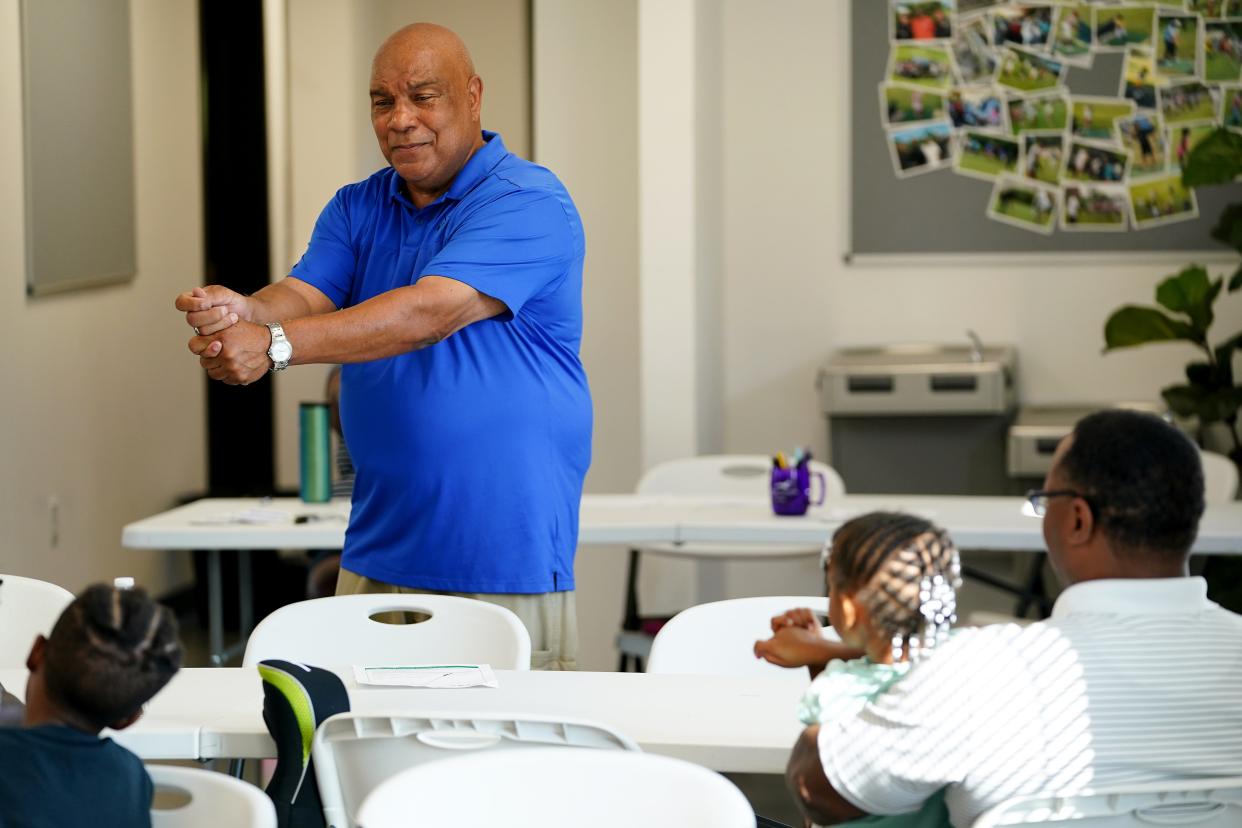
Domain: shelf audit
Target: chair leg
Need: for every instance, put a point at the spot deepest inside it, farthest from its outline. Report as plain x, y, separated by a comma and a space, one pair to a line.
1033, 589
631, 620
237, 767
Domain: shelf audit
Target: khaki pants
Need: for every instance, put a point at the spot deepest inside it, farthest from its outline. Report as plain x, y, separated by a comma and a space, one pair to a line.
551, 618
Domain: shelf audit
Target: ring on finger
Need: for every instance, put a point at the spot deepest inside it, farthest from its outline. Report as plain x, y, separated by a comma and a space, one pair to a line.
196, 331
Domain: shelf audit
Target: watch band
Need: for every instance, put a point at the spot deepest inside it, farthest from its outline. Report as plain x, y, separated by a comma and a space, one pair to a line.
280, 351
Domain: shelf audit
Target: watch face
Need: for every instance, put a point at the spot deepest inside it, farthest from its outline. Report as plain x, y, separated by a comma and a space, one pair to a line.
281, 351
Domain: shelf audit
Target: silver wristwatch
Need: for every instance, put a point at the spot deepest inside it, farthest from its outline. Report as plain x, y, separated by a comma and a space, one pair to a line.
280, 351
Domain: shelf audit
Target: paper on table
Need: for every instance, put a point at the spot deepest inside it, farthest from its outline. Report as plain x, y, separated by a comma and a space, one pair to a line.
253, 516
438, 676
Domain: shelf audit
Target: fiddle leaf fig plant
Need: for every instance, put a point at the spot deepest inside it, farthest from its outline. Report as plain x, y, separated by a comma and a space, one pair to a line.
1186, 305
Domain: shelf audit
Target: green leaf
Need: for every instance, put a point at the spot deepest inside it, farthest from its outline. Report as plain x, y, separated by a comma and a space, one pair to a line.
1228, 229
1217, 159
1132, 325
1235, 281
1200, 374
1190, 292
1224, 360
1208, 406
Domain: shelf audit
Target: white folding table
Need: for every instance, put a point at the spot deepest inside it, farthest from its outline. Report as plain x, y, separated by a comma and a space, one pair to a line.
745, 725
995, 523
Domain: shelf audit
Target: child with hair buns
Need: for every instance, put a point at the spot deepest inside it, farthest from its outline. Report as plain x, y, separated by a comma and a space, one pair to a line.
110, 651
892, 581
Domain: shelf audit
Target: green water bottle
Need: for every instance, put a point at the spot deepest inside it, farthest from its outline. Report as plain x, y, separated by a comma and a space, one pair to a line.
316, 453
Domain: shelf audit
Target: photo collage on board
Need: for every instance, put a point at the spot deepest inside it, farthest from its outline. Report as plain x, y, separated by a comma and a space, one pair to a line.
978, 87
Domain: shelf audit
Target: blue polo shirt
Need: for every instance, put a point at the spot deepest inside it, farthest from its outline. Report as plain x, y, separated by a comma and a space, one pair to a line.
470, 453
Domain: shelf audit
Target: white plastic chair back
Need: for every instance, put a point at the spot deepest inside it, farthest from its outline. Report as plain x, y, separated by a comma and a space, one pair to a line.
1201, 803
28, 607
730, 475
552, 788
340, 630
717, 638
214, 800
1220, 478
356, 752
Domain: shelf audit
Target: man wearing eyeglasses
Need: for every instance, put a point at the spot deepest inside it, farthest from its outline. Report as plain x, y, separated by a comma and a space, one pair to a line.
1133, 681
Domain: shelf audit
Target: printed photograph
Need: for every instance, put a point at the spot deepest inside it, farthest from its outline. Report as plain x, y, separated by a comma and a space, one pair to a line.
1024, 204
1095, 208
987, 155
1087, 161
921, 19
1182, 140
1222, 51
1117, 27
1094, 117
1144, 138
1212, 8
906, 105
1071, 34
1231, 106
1187, 103
965, 7
921, 149
1039, 113
1042, 156
1138, 78
979, 107
1028, 26
921, 65
1162, 201
1177, 45
1028, 72
975, 58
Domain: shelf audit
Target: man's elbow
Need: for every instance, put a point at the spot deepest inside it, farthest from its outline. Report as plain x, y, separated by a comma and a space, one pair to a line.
812, 791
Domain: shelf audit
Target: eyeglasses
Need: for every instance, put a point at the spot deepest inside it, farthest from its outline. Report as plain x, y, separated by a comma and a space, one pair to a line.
1037, 500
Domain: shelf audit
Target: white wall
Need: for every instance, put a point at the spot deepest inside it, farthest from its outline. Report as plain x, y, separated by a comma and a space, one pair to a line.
102, 406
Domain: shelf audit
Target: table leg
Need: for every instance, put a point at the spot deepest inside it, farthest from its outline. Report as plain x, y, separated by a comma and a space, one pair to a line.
215, 607
245, 593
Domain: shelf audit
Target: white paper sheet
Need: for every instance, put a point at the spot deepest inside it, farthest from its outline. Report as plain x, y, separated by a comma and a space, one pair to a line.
249, 516
438, 676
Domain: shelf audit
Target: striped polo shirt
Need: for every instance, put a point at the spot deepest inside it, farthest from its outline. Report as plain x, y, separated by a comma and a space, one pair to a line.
1129, 682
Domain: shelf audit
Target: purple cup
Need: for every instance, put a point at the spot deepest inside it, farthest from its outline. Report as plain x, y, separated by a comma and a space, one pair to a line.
791, 490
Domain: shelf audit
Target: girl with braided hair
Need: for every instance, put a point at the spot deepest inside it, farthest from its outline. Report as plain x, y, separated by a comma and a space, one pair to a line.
110, 651
892, 581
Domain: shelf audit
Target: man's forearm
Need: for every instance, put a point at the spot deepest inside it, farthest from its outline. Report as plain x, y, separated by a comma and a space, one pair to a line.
392, 323
276, 303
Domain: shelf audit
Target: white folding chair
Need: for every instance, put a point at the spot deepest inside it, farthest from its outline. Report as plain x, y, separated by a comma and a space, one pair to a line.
1220, 478
553, 788
354, 753
726, 475
342, 630
28, 607
1203, 803
717, 638
213, 800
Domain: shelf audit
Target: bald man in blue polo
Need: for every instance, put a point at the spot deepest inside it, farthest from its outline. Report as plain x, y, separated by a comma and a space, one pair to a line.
449, 284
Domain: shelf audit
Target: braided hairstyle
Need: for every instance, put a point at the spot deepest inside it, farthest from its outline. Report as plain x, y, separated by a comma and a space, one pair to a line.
110, 651
904, 571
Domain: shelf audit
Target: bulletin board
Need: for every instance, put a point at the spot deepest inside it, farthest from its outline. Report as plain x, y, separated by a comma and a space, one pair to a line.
943, 213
